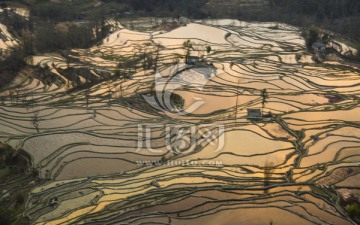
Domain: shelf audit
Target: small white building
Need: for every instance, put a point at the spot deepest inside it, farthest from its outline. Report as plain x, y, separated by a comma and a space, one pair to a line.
319, 46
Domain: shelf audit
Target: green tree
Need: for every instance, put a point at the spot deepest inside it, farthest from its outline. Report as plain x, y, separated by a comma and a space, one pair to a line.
208, 49
353, 210
7, 216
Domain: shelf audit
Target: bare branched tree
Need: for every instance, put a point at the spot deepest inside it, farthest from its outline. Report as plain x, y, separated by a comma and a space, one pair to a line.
264, 96
268, 172
35, 122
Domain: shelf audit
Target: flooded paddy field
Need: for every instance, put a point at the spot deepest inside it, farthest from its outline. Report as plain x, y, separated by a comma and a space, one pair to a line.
217, 122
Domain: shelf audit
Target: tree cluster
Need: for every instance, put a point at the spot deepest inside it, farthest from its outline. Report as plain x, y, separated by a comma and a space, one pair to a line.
190, 8
321, 9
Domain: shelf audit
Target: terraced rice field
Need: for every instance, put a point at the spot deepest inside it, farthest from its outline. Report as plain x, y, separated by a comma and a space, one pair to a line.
290, 168
6, 39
